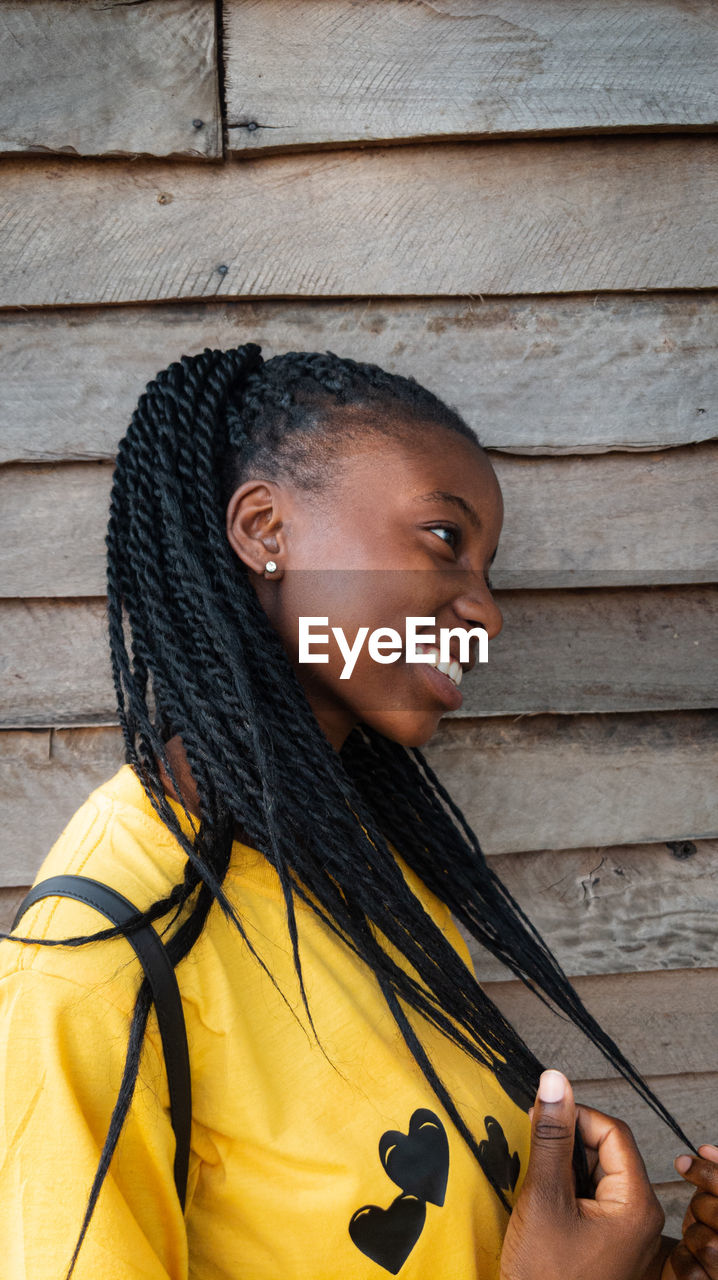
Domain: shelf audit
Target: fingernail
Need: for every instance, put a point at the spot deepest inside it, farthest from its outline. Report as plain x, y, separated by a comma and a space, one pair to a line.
682, 1163
552, 1086
709, 1151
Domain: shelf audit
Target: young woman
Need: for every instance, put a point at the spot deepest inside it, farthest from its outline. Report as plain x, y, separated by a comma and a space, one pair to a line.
358, 1104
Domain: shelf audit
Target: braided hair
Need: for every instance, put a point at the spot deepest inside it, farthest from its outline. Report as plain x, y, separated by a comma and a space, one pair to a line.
194, 655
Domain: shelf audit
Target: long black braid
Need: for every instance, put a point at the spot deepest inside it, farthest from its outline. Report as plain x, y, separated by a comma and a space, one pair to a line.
194, 655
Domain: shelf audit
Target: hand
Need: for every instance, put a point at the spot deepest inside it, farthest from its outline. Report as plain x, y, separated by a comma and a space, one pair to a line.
696, 1257
553, 1236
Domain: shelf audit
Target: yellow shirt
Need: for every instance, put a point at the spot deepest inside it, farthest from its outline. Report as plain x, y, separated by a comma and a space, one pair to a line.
309, 1161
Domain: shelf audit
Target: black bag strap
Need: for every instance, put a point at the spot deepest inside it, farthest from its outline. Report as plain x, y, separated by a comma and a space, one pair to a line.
160, 974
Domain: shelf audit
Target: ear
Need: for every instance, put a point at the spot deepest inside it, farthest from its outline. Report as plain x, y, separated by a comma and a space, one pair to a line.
254, 525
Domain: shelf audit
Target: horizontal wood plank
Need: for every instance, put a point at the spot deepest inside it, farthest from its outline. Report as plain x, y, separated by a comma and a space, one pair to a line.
10, 899
691, 1099
537, 783
109, 79
610, 650
565, 782
607, 524
530, 375
44, 778
674, 1196
512, 217
569, 522
647, 1014
307, 73
618, 909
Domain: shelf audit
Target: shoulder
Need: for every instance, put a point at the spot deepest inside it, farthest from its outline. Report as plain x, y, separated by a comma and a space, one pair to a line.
115, 837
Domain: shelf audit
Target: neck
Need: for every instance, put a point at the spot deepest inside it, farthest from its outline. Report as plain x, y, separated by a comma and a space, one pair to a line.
186, 791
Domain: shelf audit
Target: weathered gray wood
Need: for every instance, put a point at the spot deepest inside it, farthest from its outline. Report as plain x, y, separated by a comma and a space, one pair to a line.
608, 523
109, 79
530, 375
569, 522
647, 1014
674, 1198
562, 782
690, 1099
309, 73
539, 783
54, 665
611, 650
44, 778
10, 900
52, 526
623, 909
515, 217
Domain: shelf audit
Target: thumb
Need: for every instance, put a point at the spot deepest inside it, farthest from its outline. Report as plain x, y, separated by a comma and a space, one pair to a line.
553, 1121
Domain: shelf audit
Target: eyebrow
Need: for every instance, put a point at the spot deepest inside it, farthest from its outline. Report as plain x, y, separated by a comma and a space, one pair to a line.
440, 495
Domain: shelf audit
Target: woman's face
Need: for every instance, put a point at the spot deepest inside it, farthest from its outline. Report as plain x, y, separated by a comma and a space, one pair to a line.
403, 528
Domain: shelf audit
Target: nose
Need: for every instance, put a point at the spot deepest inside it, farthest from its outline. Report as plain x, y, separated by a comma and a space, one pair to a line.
477, 608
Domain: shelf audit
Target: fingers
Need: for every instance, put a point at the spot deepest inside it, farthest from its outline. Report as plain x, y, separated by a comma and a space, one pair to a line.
684, 1266
624, 1173
553, 1120
703, 1208
701, 1243
703, 1173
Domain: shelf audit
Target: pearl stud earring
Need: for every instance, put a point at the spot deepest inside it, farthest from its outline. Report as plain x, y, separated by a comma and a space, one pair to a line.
270, 566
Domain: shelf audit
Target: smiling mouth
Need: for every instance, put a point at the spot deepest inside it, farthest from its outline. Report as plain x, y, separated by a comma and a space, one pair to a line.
443, 682
453, 669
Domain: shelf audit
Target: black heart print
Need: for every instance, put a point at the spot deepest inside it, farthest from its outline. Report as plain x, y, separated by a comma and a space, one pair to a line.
418, 1162
498, 1164
387, 1236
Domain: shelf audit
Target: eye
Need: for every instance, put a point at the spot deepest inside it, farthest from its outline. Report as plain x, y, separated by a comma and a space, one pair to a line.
453, 538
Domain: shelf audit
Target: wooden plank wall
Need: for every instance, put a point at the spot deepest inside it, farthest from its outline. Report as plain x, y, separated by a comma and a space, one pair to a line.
515, 201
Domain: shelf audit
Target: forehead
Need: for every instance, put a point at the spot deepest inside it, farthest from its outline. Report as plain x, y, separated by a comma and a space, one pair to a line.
420, 461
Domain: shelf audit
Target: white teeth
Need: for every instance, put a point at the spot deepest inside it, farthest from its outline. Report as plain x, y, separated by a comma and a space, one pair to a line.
452, 669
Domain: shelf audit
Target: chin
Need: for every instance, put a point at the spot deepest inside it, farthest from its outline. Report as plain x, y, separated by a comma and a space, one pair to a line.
408, 728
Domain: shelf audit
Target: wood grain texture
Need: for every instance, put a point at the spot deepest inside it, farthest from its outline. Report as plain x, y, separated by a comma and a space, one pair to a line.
569, 522
647, 1014
44, 778
91, 79
608, 519
530, 375
512, 217
543, 782
594, 521
310, 73
620, 909
691, 1099
611, 650
10, 899
674, 1196
562, 782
